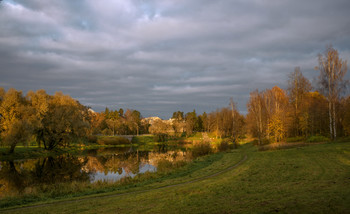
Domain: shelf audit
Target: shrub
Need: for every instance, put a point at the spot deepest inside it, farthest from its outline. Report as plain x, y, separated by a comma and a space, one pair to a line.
164, 165
160, 138
295, 139
317, 138
264, 141
115, 140
277, 146
224, 145
201, 149
107, 131
92, 139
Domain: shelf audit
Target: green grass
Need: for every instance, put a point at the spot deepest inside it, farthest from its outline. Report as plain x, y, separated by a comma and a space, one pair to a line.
196, 136
143, 139
317, 138
313, 179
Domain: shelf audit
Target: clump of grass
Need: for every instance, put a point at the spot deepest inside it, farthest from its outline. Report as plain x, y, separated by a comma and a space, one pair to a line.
317, 138
201, 148
278, 146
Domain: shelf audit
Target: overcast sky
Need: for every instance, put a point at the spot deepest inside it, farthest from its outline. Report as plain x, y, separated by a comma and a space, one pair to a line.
162, 56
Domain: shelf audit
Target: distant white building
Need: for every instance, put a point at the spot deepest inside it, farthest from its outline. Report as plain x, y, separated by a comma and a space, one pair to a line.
150, 120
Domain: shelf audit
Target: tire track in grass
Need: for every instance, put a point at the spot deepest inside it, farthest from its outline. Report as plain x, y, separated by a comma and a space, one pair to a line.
133, 192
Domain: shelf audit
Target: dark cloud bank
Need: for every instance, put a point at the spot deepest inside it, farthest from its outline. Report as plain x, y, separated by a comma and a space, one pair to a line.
163, 56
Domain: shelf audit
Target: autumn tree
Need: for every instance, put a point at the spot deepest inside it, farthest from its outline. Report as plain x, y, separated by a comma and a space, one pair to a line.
234, 117
190, 122
63, 122
2, 93
39, 100
96, 120
133, 120
298, 88
159, 127
224, 123
345, 104
15, 119
112, 119
314, 119
256, 111
204, 117
276, 108
331, 79
178, 122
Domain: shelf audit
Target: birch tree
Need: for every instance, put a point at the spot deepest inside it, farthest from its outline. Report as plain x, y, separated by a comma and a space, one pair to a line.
331, 79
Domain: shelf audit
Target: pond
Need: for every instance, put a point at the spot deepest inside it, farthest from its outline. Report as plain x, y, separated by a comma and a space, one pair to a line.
98, 165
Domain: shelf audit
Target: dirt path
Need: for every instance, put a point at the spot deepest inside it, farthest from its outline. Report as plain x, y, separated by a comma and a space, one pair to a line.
128, 193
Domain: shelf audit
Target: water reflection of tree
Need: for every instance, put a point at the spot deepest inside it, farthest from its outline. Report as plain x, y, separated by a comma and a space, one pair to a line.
19, 177
12, 182
129, 160
60, 170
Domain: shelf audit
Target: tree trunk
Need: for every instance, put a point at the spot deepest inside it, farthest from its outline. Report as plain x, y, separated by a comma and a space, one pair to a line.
12, 148
330, 119
334, 123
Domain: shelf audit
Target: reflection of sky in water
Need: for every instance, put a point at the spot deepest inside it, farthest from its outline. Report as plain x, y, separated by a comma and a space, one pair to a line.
115, 176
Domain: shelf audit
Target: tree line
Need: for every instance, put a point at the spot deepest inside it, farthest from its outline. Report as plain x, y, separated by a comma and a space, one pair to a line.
57, 120
273, 114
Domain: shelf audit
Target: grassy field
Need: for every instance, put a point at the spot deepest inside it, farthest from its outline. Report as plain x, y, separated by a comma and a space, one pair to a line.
312, 179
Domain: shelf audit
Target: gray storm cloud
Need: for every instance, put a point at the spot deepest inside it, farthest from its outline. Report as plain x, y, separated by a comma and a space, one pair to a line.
163, 56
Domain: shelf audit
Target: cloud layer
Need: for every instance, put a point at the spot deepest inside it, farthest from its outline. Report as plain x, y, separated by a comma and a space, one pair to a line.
163, 56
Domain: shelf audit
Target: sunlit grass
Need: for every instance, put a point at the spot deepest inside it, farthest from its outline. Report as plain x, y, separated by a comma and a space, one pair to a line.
313, 179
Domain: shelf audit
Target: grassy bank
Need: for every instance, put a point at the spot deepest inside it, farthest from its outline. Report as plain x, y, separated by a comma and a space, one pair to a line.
167, 174
313, 179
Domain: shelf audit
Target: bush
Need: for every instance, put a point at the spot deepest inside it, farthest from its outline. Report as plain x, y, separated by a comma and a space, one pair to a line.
165, 166
92, 139
107, 131
295, 139
264, 141
224, 145
115, 140
317, 138
201, 149
143, 139
160, 138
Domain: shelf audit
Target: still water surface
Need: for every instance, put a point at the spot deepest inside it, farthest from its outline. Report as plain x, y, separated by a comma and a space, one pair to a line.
99, 165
